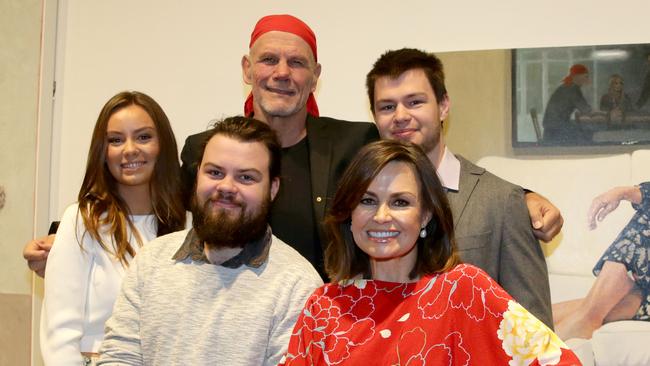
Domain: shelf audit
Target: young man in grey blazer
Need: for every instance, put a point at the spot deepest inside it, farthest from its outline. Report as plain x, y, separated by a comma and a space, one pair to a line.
409, 102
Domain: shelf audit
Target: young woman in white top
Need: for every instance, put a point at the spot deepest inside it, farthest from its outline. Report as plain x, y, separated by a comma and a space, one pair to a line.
130, 194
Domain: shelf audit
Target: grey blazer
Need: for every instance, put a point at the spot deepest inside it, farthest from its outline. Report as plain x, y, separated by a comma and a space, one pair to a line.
493, 232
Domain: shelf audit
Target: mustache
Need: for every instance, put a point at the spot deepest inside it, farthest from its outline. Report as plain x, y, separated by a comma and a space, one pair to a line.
229, 198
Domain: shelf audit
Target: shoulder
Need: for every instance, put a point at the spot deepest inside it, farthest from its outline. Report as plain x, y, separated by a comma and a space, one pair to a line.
162, 247
198, 137
468, 277
487, 180
71, 213
288, 261
194, 142
334, 124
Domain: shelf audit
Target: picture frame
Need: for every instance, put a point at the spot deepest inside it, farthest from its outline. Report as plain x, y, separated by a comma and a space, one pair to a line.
595, 95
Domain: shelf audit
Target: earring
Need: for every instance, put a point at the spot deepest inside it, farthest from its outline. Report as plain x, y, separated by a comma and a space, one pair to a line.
423, 233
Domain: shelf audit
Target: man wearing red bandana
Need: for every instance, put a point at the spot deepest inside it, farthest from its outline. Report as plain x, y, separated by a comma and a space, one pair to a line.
282, 69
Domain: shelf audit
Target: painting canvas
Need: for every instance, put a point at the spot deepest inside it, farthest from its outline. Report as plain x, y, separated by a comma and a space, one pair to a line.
581, 96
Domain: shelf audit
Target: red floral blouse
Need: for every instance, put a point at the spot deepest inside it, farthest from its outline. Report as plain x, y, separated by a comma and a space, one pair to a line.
461, 317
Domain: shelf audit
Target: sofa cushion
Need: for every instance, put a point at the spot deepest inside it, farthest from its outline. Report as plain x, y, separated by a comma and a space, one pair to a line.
622, 343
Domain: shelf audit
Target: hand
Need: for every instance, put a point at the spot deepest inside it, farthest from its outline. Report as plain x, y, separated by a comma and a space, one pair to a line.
546, 218
36, 252
605, 203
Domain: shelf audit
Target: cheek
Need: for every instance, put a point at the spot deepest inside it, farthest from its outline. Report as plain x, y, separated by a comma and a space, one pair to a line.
154, 151
383, 125
203, 186
113, 155
359, 219
411, 223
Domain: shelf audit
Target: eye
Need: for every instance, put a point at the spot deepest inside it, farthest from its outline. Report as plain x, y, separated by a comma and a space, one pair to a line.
386, 108
400, 202
269, 60
214, 173
416, 102
367, 201
145, 137
114, 140
247, 178
297, 63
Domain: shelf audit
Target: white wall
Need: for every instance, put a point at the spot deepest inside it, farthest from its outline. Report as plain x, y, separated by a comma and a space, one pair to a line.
186, 54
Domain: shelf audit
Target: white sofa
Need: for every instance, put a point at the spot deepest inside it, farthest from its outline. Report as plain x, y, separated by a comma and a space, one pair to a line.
571, 184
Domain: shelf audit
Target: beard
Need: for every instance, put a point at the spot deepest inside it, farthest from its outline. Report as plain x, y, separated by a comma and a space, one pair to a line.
218, 229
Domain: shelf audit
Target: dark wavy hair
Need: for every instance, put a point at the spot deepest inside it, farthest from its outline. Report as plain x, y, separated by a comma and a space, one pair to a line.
100, 204
436, 253
396, 62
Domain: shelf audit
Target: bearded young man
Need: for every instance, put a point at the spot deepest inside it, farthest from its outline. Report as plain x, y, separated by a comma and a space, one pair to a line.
227, 291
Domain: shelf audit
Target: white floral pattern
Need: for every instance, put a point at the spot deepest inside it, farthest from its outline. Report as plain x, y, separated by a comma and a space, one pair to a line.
526, 339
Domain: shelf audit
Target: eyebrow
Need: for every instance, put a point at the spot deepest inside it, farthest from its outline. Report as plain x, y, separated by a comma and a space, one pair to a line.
412, 95
141, 129
239, 171
394, 194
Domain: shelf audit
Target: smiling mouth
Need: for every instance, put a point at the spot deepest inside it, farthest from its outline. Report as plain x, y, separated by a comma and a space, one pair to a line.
403, 133
133, 165
288, 93
226, 204
382, 236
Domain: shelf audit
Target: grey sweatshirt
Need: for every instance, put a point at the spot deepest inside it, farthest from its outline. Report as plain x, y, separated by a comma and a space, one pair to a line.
192, 313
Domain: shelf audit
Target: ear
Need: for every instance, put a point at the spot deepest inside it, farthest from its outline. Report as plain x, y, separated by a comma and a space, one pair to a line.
246, 69
317, 71
275, 187
425, 219
443, 106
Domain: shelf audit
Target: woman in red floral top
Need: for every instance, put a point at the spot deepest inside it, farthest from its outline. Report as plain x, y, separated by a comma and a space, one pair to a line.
401, 296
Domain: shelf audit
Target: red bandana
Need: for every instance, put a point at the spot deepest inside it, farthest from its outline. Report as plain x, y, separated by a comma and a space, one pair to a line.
289, 24
576, 69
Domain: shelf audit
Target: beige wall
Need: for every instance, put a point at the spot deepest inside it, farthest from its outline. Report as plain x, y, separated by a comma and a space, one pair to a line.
20, 32
479, 90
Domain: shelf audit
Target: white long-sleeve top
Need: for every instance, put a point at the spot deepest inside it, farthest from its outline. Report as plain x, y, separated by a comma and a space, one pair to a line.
81, 286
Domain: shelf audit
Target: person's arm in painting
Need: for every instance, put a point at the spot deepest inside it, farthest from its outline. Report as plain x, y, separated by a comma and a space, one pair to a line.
603, 204
546, 219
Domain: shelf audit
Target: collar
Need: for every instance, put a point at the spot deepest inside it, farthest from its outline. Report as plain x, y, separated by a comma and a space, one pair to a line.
254, 253
449, 170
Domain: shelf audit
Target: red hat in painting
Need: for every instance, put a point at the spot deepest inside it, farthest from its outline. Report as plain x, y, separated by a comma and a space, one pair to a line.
576, 69
289, 24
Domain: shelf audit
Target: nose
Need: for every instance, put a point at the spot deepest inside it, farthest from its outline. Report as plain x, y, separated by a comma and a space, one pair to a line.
227, 186
130, 148
401, 114
282, 70
382, 214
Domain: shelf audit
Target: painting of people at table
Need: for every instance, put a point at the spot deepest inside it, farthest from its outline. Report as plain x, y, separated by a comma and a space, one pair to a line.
587, 95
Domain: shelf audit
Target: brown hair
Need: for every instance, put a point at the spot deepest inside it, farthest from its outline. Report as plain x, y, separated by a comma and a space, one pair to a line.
436, 252
246, 129
99, 201
395, 63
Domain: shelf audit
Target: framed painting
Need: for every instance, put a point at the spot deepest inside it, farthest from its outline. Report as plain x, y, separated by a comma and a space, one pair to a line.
581, 96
